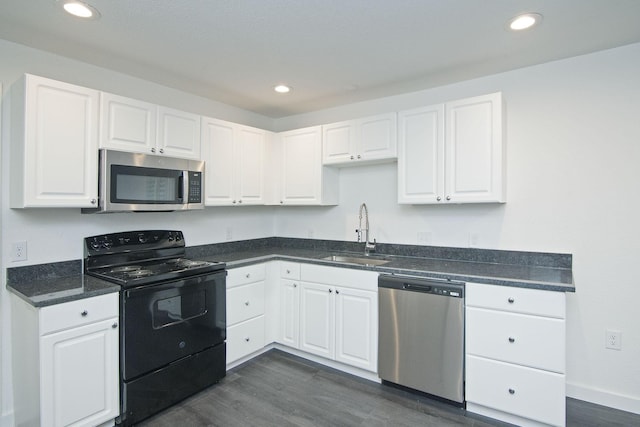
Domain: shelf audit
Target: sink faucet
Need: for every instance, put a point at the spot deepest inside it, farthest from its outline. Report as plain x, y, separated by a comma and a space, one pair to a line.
368, 246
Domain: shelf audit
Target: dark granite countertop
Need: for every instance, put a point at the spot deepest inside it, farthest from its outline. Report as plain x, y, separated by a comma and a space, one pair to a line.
54, 283
506, 268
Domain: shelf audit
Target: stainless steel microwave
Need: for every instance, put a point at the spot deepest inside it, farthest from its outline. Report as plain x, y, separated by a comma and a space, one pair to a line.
133, 182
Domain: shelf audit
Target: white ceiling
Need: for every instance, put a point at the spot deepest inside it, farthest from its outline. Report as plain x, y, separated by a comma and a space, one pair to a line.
332, 52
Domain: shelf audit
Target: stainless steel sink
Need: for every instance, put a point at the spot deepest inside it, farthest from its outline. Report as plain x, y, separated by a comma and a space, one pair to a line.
369, 261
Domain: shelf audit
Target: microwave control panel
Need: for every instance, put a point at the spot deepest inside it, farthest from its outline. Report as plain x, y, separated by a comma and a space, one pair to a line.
195, 187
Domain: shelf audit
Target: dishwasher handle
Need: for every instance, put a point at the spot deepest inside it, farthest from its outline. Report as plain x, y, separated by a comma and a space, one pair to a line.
426, 285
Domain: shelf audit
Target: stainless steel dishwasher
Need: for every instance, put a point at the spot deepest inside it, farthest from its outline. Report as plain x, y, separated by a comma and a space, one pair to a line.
421, 334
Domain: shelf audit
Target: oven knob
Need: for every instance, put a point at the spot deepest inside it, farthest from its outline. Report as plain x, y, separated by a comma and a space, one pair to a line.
182, 344
95, 245
142, 238
178, 237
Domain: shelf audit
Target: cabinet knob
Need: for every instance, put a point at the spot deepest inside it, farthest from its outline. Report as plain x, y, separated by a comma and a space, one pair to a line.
161, 150
239, 201
288, 271
84, 313
295, 285
281, 202
234, 202
94, 201
247, 339
248, 275
351, 157
246, 303
512, 391
511, 300
438, 198
153, 150
512, 339
359, 156
115, 325
330, 291
448, 197
337, 292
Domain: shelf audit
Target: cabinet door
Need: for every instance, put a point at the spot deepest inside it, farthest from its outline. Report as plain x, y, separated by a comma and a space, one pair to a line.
250, 165
301, 167
421, 155
218, 154
60, 152
474, 158
338, 143
290, 313
377, 138
79, 375
178, 133
357, 328
127, 124
317, 319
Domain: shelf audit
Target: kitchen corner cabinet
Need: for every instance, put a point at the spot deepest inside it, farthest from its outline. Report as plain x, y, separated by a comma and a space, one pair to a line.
303, 179
452, 152
54, 143
235, 163
363, 141
66, 362
515, 354
140, 127
332, 312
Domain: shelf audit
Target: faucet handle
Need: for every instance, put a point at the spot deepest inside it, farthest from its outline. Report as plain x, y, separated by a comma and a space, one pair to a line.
359, 234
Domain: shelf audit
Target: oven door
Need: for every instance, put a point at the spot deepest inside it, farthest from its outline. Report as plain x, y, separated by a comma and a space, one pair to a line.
166, 322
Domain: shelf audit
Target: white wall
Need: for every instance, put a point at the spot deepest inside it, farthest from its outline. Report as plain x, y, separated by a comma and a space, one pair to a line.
56, 234
573, 144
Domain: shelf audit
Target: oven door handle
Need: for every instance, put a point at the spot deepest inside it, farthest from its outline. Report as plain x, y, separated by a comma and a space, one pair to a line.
182, 183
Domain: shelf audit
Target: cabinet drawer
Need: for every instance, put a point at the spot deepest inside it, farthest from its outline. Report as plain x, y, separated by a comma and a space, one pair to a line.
517, 300
245, 338
290, 270
527, 392
538, 342
244, 275
245, 302
78, 313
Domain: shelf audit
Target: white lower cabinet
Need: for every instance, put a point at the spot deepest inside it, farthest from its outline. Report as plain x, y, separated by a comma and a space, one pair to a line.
332, 312
245, 311
515, 354
66, 362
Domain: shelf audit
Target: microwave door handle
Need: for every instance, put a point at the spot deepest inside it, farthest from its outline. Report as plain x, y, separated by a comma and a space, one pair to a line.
182, 183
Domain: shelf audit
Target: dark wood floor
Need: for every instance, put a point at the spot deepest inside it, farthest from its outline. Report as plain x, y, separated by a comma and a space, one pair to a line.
278, 389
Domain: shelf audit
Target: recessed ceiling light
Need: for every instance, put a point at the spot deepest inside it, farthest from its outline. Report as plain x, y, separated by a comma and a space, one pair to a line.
524, 21
282, 89
80, 9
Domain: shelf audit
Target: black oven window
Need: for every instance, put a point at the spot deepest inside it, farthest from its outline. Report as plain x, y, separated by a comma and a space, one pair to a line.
179, 308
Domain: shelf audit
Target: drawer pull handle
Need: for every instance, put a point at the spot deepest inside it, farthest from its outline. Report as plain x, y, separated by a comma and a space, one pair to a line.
115, 325
511, 300
246, 303
84, 313
247, 339
512, 391
512, 339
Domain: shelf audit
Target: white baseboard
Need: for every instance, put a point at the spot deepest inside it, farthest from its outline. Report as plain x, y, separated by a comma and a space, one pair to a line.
604, 398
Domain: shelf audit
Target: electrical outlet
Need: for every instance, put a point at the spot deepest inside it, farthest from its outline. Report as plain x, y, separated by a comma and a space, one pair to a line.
19, 251
424, 237
613, 339
474, 239
229, 233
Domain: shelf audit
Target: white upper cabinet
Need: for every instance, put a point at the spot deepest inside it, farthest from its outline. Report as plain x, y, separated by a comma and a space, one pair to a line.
362, 141
452, 153
140, 127
54, 152
178, 133
303, 180
127, 124
235, 163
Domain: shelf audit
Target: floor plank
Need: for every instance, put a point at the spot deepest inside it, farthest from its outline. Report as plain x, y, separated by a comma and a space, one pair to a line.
279, 389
